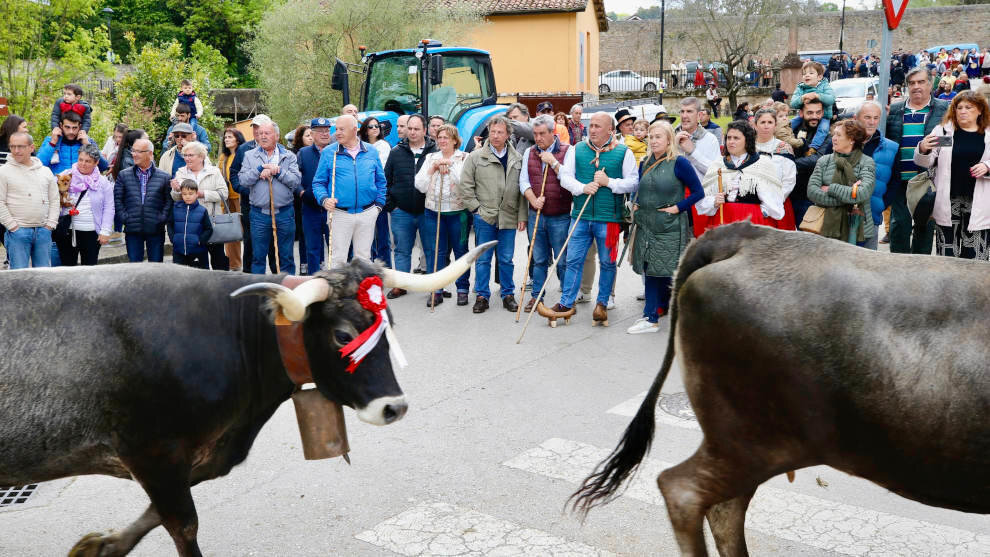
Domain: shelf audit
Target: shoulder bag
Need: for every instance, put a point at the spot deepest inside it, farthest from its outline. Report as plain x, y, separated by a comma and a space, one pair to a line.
226, 226
63, 232
921, 192
814, 220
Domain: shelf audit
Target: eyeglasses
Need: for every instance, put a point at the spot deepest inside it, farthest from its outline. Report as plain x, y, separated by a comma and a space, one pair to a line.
141, 151
12, 146
373, 127
187, 155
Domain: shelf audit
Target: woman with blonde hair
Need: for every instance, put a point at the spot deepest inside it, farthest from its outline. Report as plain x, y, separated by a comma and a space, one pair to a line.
660, 215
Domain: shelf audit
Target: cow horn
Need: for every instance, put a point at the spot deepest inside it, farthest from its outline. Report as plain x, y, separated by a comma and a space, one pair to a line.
439, 279
292, 302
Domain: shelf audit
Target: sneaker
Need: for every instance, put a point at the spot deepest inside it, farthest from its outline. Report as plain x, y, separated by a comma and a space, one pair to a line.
582, 299
643, 325
611, 303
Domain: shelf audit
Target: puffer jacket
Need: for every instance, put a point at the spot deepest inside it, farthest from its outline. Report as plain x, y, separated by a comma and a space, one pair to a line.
147, 217
884, 154
839, 194
895, 119
211, 183
400, 177
189, 228
490, 190
68, 154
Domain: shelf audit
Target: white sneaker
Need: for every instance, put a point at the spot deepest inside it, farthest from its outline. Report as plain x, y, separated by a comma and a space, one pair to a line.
611, 303
643, 325
582, 299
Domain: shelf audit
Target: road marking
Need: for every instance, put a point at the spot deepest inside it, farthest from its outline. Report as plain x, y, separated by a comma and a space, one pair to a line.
787, 515
631, 406
443, 529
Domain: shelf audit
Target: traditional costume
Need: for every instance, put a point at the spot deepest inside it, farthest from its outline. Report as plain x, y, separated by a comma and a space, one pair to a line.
752, 188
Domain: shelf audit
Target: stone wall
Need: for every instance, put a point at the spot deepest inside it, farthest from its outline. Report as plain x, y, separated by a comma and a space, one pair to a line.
636, 44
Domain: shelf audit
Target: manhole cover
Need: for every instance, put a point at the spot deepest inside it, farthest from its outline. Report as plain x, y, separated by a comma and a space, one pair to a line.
677, 405
16, 495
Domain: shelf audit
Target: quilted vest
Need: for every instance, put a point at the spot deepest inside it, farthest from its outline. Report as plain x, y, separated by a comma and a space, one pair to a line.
558, 199
604, 206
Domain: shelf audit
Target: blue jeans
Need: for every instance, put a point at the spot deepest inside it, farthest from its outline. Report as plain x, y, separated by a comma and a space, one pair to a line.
547, 243
450, 239
484, 232
261, 237
315, 231
657, 296
381, 247
585, 232
404, 228
136, 244
29, 247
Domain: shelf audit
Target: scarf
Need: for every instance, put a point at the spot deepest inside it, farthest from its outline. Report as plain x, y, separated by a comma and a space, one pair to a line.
837, 222
82, 181
750, 160
612, 143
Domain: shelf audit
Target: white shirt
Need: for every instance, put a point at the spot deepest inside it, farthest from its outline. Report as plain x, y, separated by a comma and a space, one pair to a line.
524, 183
627, 184
706, 151
426, 182
786, 169
501, 153
383, 150
84, 220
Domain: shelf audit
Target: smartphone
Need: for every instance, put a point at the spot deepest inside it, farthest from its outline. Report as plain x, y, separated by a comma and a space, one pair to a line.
944, 141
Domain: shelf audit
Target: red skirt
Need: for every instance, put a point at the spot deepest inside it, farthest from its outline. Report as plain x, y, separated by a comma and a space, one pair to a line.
734, 212
786, 223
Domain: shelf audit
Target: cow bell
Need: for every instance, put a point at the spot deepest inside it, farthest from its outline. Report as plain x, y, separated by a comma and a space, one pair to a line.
321, 425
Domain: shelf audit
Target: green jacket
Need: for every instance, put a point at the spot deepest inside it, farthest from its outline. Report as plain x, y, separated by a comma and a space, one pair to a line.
839, 194
660, 237
491, 191
824, 91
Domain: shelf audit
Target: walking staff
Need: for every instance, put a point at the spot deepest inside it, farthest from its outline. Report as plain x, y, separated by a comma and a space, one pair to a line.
271, 207
333, 191
436, 241
529, 258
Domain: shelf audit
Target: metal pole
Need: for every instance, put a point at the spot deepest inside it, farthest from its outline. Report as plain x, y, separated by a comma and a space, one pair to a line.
842, 26
662, 6
885, 39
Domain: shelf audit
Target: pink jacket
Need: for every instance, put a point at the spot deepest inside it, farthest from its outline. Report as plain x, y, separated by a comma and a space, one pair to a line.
980, 218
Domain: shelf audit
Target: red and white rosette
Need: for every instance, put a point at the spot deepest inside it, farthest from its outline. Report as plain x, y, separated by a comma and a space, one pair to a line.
371, 296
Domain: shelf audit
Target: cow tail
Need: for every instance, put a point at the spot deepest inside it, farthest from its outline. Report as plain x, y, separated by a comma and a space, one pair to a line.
603, 485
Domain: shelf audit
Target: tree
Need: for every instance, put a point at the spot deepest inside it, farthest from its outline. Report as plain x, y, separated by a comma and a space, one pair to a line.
297, 42
42, 49
731, 32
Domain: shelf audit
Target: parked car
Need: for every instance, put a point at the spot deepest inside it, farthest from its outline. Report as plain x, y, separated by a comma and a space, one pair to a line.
850, 93
820, 56
626, 80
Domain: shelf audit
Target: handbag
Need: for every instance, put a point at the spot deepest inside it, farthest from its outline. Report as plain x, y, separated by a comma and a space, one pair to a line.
63, 232
921, 195
226, 227
814, 220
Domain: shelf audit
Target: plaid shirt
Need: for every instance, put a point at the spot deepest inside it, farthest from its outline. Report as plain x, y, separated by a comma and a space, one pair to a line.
143, 176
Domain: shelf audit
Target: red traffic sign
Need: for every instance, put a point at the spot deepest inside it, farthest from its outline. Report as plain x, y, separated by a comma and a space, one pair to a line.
894, 9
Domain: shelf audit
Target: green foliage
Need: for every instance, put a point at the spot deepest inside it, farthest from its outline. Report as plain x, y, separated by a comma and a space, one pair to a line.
145, 96
42, 48
297, 41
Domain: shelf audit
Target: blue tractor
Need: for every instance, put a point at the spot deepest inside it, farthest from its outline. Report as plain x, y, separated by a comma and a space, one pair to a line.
453, 82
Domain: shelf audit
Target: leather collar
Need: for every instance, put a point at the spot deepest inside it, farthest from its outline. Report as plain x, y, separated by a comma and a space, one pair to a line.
290, 341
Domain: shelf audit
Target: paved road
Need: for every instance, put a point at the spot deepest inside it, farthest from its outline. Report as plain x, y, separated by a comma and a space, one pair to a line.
497, 437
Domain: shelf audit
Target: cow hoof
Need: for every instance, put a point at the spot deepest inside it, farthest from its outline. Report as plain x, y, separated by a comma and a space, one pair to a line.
553, 323
603, 323
89, 546
567, 321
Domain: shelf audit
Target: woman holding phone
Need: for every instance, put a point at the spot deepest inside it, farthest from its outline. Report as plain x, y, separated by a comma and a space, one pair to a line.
960, 149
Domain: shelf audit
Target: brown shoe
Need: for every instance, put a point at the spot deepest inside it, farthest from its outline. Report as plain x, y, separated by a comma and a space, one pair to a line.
395, 293
529, 305
560, 309
509, 303
599, 316
480, 305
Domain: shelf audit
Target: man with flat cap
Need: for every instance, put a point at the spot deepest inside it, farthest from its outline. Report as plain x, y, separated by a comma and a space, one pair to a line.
314, 216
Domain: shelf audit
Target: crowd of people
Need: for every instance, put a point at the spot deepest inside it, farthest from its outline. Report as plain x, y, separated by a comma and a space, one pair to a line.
575, 188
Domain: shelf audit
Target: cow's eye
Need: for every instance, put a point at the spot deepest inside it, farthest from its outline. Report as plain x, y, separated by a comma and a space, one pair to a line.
342, 337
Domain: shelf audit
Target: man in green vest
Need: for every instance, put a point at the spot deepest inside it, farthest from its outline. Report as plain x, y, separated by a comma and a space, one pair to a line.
597, 171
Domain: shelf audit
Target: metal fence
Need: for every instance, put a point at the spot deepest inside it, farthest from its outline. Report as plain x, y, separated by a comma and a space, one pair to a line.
650, 81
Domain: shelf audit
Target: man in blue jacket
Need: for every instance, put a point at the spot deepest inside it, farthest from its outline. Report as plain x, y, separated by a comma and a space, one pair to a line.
314, 217
143, 202
350, 182
884, 153
183, 115
60, 150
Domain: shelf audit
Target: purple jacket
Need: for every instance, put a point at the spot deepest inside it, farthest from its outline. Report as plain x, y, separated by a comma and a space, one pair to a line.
101, 201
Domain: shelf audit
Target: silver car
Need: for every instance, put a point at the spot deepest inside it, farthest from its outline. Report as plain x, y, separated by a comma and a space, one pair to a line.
850, 93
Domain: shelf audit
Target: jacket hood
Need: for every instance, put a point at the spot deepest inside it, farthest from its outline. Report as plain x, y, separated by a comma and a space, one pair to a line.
33, 164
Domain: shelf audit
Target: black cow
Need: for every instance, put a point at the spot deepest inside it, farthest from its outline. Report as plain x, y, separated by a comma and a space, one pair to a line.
154, 372
796, 351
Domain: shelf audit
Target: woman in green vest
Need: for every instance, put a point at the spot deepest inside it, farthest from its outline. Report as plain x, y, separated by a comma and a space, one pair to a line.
660, 216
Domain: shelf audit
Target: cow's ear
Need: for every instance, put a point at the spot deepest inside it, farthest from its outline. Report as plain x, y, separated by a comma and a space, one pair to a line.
291, 302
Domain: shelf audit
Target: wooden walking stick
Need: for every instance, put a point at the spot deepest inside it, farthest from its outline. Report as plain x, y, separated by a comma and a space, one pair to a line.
333, 192
271, 207
529, 259
553, 266
436, 242
721, 217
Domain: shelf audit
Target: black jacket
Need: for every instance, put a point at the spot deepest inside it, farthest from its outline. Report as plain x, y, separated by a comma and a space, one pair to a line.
400, 178
805, 163
148, 217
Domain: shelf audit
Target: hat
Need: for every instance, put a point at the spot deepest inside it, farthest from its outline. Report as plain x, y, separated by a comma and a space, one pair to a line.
320, 123
545, 105
261, 119
622, 115
662, 115
182, 127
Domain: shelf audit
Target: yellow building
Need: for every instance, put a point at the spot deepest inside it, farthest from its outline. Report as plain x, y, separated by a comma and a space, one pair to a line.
543, 45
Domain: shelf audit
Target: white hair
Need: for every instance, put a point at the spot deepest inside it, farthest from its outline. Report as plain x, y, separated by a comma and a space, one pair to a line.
196, 148
546, 121
865, 104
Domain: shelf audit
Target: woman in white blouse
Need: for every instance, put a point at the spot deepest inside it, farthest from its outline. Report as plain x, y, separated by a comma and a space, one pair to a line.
751, 186
440, 179
782, 156
371, 132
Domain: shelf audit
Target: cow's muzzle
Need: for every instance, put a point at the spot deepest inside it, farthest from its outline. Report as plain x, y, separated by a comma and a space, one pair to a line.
384, 410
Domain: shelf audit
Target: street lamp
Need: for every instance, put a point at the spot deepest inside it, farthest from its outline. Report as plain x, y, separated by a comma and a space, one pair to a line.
660, 101
108, 12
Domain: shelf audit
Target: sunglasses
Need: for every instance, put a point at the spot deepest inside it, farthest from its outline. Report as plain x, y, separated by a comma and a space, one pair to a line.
373, 127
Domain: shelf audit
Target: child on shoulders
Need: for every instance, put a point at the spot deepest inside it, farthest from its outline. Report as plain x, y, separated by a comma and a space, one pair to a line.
814, 86
187, 96
72, 101
637, 141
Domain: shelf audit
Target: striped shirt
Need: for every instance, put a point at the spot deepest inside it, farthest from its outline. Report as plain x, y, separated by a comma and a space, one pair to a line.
914, 132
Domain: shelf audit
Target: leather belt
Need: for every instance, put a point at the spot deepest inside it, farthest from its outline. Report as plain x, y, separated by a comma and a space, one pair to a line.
363, 209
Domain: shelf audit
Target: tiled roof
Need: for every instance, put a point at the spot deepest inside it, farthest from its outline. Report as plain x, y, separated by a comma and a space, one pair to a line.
493, 7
